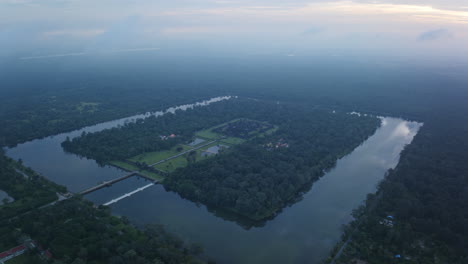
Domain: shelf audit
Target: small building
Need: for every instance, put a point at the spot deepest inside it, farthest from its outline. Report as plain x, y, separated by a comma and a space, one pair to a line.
11, 253
282, 144
386, 222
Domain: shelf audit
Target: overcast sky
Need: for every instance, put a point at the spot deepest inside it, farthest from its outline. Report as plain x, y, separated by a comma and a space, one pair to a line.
427, 27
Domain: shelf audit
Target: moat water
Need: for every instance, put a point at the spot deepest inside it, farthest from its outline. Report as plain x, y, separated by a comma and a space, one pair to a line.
304, 232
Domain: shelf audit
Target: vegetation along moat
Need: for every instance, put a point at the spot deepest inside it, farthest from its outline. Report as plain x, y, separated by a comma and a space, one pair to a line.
246, 157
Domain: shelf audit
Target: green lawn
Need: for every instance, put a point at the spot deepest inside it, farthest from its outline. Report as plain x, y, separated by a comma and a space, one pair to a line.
181, 161
173, 164
232, 141
208, 134
153, 157
124, 165
270, 131
152, 175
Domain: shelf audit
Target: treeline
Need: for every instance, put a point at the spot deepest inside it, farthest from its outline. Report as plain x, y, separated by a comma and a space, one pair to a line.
46, 112
76, 232
253, 179
256, 179
142, 136
427, 195
28, 189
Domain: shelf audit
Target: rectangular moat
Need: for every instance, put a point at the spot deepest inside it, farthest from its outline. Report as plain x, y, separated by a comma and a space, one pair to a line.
302, 233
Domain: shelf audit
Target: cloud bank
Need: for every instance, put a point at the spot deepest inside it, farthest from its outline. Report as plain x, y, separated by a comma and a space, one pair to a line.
254, 26
436, 34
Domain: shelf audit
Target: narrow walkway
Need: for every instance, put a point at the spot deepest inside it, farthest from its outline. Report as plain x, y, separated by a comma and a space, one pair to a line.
182, 153
108, 183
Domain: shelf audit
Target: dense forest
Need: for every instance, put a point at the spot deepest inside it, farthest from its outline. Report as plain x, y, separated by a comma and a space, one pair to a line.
28, 189
259, 177
59, 114
430, 182
60, 97
74, 231
307, 142
426, 195
144, 135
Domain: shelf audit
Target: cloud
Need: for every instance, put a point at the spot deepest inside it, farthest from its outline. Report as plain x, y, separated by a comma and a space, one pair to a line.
312, 31
122, 34
331, 10
191, 30
436, 34
74, 33
52, 56
257, 26
86, 53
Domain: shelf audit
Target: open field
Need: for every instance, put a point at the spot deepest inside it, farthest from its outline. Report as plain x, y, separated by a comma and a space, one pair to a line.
173, 164
182, 161
270, 131
208, 134
123, 165
232, 141
153, 157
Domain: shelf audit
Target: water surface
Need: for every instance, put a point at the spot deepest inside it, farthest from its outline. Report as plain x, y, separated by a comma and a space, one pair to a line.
47, 157
302, 233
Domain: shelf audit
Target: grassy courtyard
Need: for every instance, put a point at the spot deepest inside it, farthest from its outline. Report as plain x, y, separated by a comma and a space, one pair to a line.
174, 162
153, 157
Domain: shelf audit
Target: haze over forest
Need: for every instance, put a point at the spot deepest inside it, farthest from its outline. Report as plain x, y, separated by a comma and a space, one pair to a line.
234, 131
422, 29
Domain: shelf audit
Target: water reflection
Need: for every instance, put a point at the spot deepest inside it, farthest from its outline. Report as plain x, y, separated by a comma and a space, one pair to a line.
302, 233
47, 157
